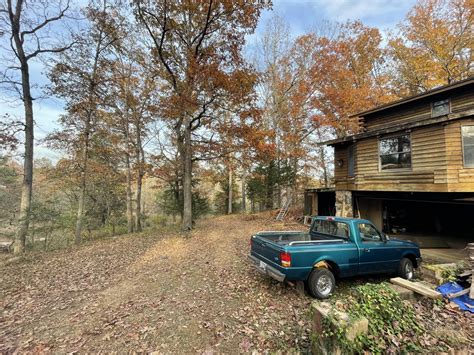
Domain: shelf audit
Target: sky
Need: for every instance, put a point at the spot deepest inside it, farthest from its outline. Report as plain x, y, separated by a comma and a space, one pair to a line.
301, 15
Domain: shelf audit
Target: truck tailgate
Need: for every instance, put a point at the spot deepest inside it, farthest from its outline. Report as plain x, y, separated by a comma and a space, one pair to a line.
266, 251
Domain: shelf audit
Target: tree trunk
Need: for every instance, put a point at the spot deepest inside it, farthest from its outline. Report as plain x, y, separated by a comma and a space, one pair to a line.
229, 198
129, 194
324, 166
140, 157
83, 184
294, 181
187, 158
244, 197
278, 184
177, 195
269, 193
27, 184
129, 198
85, 152
138, 203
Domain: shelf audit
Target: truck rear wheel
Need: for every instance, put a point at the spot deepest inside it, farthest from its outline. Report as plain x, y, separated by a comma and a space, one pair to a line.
405, 269
321, 283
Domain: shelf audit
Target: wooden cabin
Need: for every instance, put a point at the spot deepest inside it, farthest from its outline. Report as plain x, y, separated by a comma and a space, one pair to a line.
411, 167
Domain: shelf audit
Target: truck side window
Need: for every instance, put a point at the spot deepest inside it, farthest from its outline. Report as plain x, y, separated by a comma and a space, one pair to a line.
331, 228
369, 233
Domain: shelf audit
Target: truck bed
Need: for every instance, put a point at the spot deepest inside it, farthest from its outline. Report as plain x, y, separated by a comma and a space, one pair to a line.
294, 237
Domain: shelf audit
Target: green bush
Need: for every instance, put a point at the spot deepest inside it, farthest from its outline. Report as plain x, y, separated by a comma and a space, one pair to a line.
391, 321
157, 220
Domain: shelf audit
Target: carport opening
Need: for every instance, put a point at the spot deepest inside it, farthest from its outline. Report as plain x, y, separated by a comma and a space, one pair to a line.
437, 225
327, 203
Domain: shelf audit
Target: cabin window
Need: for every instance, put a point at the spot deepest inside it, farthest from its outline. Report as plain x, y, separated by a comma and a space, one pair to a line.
440, 108
468, 145
350, 161
395, 152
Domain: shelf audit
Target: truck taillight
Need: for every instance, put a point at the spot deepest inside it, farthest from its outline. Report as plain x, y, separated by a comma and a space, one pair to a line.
285, 259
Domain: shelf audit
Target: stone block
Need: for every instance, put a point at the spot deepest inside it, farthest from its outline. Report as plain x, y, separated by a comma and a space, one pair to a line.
434, 272
343, 204
324, 310
404, 293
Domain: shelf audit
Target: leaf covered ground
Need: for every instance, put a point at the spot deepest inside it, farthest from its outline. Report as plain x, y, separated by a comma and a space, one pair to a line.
165, 292
152, 292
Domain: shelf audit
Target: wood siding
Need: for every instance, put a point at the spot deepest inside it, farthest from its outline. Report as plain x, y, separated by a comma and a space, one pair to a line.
460, 179
462, 100
436, 159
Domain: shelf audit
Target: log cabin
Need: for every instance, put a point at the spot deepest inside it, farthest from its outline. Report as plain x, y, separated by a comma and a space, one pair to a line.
410, 169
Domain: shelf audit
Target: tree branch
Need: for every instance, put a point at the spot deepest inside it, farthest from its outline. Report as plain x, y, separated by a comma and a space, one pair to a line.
44, 23
206, 25
50, 50
159, 44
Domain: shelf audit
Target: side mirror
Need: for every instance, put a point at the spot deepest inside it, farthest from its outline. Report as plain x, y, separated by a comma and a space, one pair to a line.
387, 238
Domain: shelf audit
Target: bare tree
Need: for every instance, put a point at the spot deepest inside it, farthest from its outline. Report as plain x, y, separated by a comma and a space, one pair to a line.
27, 26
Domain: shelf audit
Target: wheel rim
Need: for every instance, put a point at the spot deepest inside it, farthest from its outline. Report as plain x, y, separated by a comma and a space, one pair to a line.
408, 271
324, 285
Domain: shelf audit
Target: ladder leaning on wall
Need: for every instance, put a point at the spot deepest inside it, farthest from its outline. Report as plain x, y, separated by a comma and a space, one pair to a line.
284, 210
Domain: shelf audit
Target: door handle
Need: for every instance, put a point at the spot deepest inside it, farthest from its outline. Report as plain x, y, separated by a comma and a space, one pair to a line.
367, 250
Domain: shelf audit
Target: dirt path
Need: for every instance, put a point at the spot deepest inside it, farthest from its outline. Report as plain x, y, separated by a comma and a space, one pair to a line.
152, 293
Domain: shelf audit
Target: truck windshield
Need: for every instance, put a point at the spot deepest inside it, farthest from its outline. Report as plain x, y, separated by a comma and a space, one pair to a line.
332, 228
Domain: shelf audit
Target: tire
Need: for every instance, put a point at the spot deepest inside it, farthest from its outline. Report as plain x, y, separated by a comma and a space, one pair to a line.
406, 269
321, 283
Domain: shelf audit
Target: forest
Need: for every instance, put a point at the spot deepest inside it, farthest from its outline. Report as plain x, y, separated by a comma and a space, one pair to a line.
171, 115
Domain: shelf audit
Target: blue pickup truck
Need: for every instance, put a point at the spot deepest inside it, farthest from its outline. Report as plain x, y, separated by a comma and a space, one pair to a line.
334, 247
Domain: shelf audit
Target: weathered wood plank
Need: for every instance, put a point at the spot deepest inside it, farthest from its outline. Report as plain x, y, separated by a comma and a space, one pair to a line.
460, 293
417, 287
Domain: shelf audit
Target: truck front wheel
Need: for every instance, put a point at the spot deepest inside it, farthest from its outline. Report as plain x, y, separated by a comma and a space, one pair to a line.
321, 283
405, 269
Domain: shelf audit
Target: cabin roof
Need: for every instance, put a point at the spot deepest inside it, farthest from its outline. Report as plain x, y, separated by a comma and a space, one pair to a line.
428, 93
400, 127
409, 125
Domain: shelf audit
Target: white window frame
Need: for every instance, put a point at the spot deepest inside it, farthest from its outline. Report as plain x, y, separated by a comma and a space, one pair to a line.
462, 142
379, 155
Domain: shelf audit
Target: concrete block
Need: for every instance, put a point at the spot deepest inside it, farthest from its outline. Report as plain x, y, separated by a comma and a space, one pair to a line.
404, 293
353, 327
434, 272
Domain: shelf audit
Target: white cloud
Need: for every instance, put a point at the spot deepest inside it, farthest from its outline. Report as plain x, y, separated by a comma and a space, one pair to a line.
385, 13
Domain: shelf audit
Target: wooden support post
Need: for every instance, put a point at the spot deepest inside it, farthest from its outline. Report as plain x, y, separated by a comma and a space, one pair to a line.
470, 248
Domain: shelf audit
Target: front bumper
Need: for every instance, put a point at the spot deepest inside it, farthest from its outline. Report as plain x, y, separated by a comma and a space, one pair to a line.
266, 269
